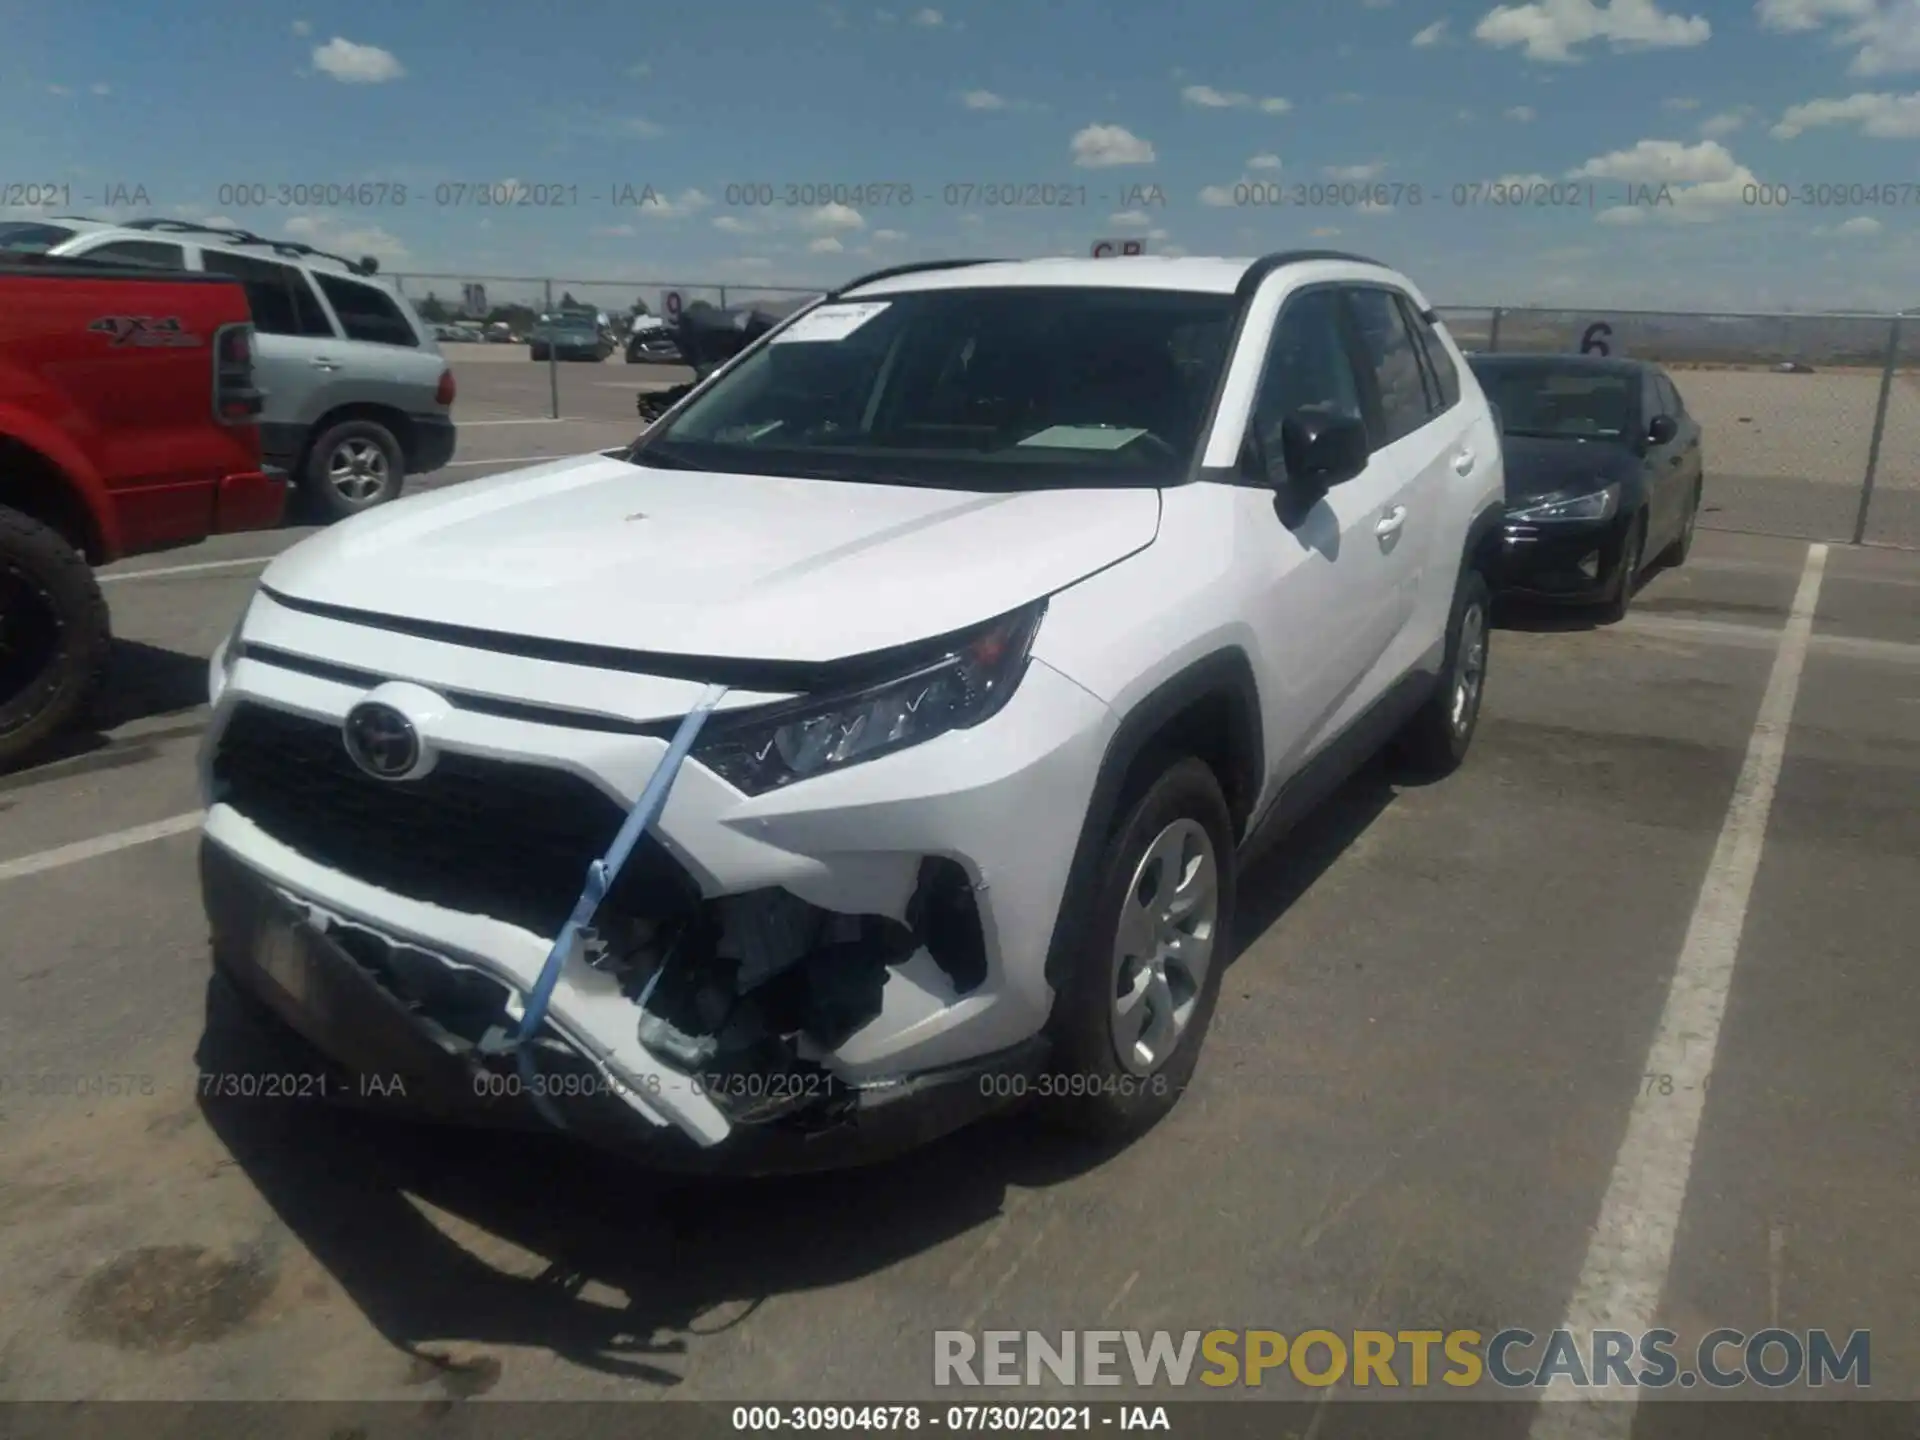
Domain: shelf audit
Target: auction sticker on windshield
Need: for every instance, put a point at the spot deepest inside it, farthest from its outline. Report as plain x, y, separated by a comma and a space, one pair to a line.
831, 322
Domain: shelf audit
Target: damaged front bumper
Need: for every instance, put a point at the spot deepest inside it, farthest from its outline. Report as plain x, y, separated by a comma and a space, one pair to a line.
391, 1022
769, 974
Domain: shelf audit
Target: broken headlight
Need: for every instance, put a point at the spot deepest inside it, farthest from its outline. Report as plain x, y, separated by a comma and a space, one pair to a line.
957, 686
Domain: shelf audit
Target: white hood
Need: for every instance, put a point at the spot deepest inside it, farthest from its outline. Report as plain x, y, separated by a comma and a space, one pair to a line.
596, 550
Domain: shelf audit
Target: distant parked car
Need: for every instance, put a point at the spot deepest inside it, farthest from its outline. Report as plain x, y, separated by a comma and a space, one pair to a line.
1793, 367
1603, 467
652, 342
569, 337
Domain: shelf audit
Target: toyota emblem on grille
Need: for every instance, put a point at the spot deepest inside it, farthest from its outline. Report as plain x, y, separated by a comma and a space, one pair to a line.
381, 740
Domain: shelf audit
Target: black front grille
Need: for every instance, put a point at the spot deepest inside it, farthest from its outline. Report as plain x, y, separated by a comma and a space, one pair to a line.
488, 837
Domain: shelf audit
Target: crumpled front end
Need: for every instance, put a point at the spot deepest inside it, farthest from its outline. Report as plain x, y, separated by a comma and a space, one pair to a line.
768, 971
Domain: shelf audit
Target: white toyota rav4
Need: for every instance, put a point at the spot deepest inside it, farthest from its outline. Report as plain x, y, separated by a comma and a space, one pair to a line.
1006, 607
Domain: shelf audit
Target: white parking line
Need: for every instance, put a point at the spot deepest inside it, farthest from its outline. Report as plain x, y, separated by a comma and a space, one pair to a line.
100, 845
1631, 1248
536, 420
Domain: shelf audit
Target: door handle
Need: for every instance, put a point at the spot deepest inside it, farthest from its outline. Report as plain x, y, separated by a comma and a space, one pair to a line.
1389, 524
1463, 463
321, 362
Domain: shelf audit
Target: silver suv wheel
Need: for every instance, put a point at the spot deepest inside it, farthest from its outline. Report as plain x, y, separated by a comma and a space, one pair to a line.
357, 469
1164, 945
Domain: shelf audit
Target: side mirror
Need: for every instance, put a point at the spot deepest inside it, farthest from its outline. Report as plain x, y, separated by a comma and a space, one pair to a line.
1661, 430
1321, 449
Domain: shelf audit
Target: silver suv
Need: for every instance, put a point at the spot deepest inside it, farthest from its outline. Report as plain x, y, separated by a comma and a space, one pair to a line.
358, 395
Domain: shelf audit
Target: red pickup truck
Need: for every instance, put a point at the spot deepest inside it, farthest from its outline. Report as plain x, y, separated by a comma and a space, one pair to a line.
128, 423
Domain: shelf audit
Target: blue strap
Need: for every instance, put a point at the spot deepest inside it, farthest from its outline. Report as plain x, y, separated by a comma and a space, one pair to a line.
600, 877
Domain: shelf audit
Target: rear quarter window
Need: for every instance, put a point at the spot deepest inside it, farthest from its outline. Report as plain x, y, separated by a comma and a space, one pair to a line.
367, 312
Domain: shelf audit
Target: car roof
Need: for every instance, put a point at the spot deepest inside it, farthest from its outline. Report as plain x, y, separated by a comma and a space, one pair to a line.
1200, 274
214, 238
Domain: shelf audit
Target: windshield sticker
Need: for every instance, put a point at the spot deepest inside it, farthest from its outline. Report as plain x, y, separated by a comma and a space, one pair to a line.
1084, 437
831, 322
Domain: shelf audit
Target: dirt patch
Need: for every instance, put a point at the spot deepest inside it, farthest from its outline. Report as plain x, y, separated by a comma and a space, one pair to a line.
164, 1298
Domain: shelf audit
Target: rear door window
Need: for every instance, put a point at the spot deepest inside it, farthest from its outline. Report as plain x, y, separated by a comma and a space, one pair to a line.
368, 313
1391, 355
282, 300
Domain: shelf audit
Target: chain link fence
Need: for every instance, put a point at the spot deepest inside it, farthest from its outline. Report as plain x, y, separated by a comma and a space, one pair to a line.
1811, 422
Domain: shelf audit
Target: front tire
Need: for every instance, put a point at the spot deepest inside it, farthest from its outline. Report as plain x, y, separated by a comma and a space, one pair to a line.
1436, 738
1633, 559
353, 467
1129, 1020
55, 636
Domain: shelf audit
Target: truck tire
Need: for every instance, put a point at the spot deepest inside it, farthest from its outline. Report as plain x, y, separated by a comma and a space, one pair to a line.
353, 466
1127, 1025
54, 636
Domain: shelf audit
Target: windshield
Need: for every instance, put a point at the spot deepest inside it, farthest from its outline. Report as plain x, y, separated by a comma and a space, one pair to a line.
31, 237
975, 388
1560, 401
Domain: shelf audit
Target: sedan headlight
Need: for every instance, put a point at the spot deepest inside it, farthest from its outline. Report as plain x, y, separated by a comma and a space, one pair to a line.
954, 685
1594, 505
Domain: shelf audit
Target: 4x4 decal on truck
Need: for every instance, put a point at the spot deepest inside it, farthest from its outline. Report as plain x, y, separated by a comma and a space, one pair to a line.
144, 330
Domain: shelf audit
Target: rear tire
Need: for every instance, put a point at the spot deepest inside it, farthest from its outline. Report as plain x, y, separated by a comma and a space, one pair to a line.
353, 467
1129, 1020
55, 636
1436, 737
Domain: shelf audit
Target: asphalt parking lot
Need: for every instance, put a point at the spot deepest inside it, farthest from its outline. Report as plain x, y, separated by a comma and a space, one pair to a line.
1454, 1014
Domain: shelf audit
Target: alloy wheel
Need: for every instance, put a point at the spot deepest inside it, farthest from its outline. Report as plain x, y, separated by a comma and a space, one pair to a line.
357, 469
1164, 945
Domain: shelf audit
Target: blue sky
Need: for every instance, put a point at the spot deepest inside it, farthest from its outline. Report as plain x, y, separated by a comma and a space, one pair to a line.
1207, 111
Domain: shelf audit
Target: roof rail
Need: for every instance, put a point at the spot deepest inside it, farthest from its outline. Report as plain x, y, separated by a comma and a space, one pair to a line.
238, 236
914, 268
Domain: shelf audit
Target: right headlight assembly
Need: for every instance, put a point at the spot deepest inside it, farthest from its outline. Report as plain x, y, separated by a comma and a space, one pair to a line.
957, 685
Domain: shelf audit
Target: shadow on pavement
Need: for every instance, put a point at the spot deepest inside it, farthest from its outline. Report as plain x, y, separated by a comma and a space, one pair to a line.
690, 1257
143, 681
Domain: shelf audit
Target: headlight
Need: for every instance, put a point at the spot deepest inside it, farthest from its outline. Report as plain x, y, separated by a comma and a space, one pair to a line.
959, 684
1598, 505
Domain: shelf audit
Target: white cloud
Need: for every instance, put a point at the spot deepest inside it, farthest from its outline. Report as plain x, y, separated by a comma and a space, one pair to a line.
345, 238
1879, 116
732, 225
983, 100
1550, 30
825, 245
1348, 97
1725, 123
1700, 182
889, 237
1157, 235
301, 27
100, 87
1130, 219
1264, 162
930, 18
1430, 35
58, 90
1680, 102
1858, 226
679, 207
834, 217
1208, 98
1523, 181
1218, 196
1353, 172
1099, 147
1522, 113
1622, 215
614, 232
972, 221
353, 64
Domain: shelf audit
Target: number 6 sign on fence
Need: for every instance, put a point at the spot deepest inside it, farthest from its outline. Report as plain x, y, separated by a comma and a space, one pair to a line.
1596, 338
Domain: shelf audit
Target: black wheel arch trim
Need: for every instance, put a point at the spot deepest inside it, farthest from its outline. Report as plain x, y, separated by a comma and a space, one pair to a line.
1225, 673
